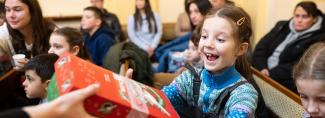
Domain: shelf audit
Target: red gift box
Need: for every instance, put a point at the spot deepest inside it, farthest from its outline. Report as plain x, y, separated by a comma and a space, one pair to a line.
117, 96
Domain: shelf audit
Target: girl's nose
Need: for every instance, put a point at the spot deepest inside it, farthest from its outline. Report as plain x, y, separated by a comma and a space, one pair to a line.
312, 108
209, 43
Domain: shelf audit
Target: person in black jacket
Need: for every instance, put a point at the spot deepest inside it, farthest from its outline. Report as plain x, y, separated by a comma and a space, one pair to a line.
282, 47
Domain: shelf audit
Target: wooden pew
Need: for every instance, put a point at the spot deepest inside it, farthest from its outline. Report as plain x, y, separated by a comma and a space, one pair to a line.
74, 21
283, 102
7, 74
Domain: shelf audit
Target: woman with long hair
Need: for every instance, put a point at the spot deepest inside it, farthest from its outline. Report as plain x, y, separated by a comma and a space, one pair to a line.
144, 27
29, 32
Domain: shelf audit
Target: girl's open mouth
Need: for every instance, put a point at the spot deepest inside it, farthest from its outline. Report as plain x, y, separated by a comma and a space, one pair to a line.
211, 57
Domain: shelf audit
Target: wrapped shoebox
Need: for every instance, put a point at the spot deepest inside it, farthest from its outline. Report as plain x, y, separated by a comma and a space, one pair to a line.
118, 96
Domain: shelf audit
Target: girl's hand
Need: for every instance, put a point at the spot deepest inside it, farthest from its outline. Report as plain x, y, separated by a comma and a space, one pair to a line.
265, 72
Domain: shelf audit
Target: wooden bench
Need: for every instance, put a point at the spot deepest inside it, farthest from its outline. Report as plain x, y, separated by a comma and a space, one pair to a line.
74, 21
7, 74
283, 102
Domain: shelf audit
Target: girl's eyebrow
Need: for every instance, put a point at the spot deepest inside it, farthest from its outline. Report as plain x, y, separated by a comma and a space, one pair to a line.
14, 7
203, 31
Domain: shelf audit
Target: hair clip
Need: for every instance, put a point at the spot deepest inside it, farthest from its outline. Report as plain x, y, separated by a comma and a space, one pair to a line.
240, 21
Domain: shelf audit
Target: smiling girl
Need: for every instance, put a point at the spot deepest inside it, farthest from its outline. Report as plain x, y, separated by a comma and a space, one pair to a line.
223, 45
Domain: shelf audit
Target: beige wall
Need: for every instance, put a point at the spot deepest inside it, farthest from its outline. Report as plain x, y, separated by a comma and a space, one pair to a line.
170, 9
167, 9
63, 7
124, 8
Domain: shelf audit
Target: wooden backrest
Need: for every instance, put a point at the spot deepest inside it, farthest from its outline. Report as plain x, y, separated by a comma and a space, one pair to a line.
283, 102
7, 74
163, 79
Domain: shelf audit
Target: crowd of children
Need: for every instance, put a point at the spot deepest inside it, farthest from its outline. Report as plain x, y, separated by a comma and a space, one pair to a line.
216, 56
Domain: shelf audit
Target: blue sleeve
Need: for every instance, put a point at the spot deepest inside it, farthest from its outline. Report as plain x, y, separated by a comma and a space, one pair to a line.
238, 114
157, 36
179, 90
102, 47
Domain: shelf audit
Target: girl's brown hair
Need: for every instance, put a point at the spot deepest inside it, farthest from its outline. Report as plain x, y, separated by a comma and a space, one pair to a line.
312, 64
74, 38
242, 31
42, 30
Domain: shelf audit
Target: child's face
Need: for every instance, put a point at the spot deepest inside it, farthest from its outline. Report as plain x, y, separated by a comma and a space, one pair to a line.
193, 53
34, 87
217, 45
312, 94
217, 3
89, 20
58, 44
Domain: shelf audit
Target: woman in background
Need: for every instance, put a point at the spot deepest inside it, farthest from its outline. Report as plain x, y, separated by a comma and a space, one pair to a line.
144, 27
282, 47
29, 32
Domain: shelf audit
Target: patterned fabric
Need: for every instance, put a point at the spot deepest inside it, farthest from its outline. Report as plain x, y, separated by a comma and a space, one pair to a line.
241, 103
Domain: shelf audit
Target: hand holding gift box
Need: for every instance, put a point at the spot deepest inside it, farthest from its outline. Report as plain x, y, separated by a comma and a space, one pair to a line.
117, 97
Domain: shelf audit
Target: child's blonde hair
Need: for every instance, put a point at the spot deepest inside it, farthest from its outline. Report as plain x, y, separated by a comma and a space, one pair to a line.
312, 64
4, 48
242, 31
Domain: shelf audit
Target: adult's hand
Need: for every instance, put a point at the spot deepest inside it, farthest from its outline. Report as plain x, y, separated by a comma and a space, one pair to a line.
67, 106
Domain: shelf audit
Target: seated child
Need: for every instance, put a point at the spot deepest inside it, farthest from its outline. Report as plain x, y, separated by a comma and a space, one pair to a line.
5, 57
224, 41
38, 72
176, 60
309, 77
68, 39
